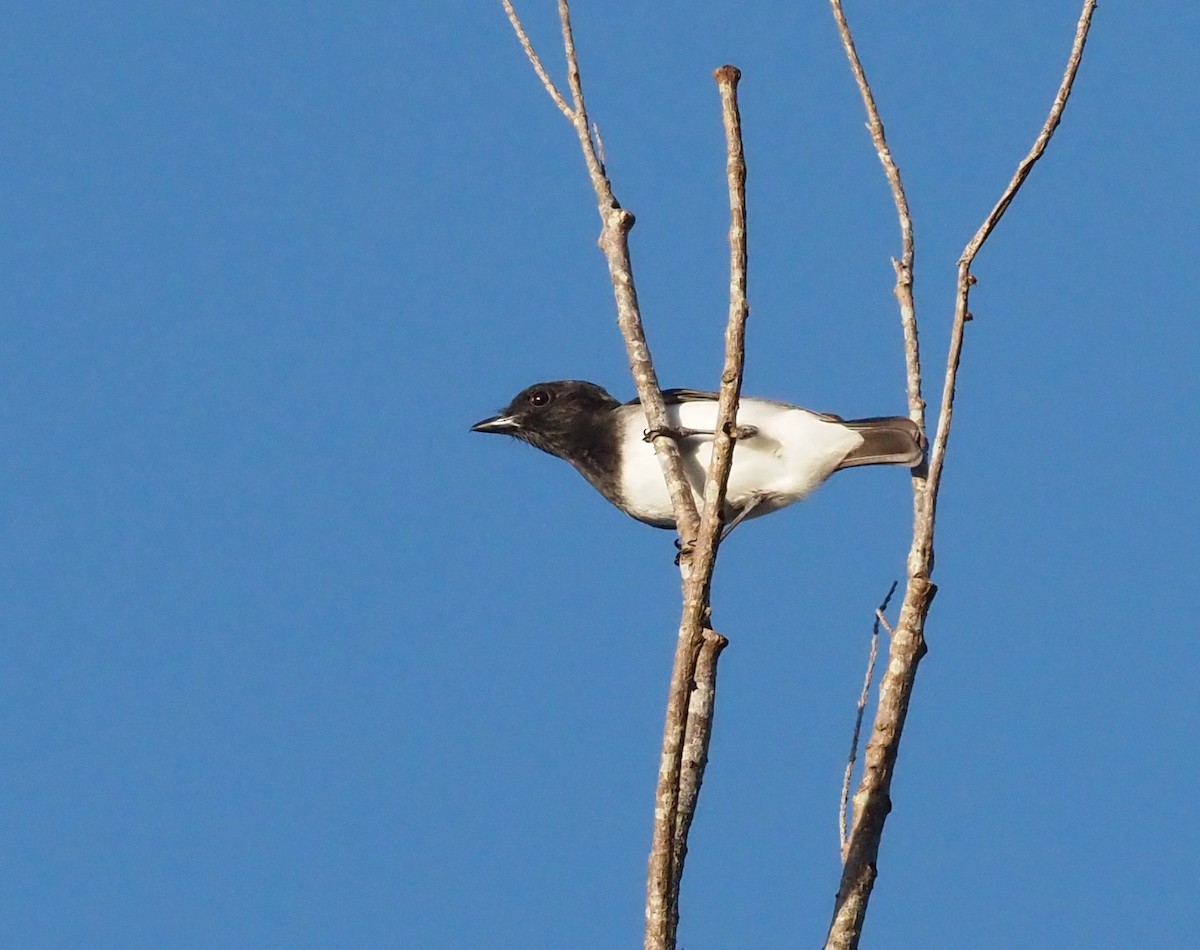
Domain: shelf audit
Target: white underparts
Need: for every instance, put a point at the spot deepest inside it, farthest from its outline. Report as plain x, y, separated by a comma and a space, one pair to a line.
793, 452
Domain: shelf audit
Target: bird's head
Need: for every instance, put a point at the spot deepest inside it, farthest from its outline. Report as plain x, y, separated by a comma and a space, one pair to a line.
552, 416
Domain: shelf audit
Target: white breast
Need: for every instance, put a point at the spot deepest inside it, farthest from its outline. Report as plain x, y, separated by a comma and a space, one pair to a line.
792, 453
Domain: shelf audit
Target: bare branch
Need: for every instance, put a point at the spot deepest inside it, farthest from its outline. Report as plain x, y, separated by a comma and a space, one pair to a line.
872, 801
858, 717
674, 790
538, 68
694, 758
904, 266
735, 332
616, 223
962, 312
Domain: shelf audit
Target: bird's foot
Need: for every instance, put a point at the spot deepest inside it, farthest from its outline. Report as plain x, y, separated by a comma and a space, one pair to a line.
680, 432
671, 432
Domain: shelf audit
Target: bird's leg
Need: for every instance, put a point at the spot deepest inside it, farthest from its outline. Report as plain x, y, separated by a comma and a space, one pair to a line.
754, 502
742, 515
679, 432
671, 432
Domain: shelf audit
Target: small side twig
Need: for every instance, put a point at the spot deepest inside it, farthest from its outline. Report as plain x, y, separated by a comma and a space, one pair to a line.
848, 776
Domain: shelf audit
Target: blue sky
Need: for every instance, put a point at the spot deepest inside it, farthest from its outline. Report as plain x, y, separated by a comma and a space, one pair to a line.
292, 659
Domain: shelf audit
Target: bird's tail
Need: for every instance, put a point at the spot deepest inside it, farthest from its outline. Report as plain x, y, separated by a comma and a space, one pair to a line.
887, 440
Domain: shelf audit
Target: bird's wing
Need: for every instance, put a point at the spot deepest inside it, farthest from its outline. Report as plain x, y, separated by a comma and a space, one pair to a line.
673, 397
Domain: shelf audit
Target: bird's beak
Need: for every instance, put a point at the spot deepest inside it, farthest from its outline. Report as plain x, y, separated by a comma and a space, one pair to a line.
501, 424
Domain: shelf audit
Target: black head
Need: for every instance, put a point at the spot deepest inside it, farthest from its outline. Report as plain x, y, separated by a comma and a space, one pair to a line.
557, 417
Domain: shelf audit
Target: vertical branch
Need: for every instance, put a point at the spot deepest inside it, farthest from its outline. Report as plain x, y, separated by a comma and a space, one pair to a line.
872, 801
727, 78
616, 224
694, 759
904, 266
679, 787
966, 281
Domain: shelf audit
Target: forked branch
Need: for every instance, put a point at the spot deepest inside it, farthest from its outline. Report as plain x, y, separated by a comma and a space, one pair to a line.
962, 312
693, 679
871, 801
689, 711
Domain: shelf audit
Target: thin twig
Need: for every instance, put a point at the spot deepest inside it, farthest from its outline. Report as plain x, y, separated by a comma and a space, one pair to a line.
538, 68
872, 801
965, 281
664, 873
616, 224
858, 717
904, 266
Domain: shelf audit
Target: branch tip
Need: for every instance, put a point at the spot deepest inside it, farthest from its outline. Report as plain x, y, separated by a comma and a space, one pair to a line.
727, 75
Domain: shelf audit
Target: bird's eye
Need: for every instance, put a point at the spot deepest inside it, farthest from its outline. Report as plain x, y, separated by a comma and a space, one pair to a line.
539, 398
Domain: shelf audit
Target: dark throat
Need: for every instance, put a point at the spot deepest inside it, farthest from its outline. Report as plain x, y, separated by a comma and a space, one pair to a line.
592, 444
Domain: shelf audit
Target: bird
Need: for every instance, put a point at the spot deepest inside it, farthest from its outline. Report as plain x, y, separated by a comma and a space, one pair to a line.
781, 455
